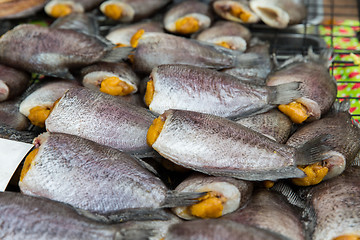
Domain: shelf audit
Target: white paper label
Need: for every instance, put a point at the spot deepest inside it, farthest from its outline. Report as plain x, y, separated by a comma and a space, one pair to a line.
11, 154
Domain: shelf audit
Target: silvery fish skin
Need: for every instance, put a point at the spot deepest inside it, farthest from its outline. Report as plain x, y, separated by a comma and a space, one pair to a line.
134, 10
76, 6
196, 9
236, 192
89, 176
318, 86
80, 22
93, 75
11, 117
270, 211
122, 34
45, 95
158, 48
13, 82
256, 73
333, 206
101, 118
186, 87
273, 124
212, 229
221, 147
13, 9
223, 9
52, 51
345, 140
27, 217
235, 34
279, 13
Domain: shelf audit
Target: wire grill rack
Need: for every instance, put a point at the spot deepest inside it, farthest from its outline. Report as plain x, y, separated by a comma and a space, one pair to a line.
320, 30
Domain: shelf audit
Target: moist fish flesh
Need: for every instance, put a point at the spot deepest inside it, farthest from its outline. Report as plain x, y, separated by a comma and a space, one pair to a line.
61, 8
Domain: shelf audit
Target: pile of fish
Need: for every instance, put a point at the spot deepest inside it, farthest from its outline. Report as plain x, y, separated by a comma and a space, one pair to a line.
154, 119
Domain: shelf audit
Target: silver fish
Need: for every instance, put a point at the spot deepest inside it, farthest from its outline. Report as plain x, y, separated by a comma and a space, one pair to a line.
345, 140
188, 17
99, 179
333, 207
131, 10
177, 86
318, 86
13, 9
220, 147
121, 35
154, 49
26, 217
227, 34
269, 210
235, 10
61, 8
225, 195
273, 124
279, 13
212, 229
13, 82
52, 51
101, 118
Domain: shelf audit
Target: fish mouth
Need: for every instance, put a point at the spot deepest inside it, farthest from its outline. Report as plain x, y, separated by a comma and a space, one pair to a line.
270, 14
231, 42
335, 162
117, 10
189, 23
235, 11
61, 8
4, 91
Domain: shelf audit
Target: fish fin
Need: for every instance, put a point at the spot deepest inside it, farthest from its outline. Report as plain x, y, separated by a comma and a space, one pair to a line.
134, 234
284, 93
177, 199
343, 106
309, 219
131, 214
313, 150
356, 161
250, 59
289, 193
117, 54
323, 58
145, 164
77, 22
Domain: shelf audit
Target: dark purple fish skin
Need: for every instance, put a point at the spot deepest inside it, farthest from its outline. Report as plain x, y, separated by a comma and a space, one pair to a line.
216, 229
25, 217
90, 176
101, 118
270, 211
14, 9
50, 51
318, 86
272, 123
13, 82
11, 117
334, 206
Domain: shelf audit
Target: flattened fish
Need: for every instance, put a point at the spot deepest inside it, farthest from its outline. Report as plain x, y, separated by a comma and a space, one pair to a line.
220, 147
52, 51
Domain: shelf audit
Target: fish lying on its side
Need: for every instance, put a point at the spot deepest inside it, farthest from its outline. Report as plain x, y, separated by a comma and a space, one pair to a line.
279, 13
26, 217
102, 118
185, 87
218, 146
94, 177
53, 51
13, 82
224, 196
333, 210
270, 211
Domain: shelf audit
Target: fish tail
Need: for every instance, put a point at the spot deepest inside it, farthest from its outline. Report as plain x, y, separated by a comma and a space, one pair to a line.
250, 59
284, 93
289, 193
313, 150
343, 106
117, 54
177, 199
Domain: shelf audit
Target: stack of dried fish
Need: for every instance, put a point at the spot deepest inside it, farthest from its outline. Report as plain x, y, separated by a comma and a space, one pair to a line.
168, 114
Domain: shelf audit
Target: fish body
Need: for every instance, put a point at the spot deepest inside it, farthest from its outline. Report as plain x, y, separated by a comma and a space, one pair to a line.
235, 35
13, 82
272, 123
217, 146
61, 8
27, 217
268, 210
13, 9
318, 86
192, 88
11, 117
279, 13
340, 216
51, 51
101, 118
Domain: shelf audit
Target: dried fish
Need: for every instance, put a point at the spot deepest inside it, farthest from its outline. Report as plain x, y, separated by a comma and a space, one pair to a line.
235, 10
81, 22
13, 82
61, 8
